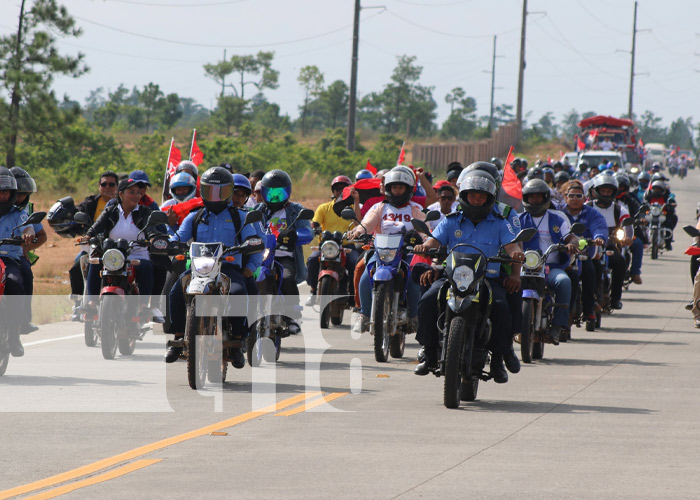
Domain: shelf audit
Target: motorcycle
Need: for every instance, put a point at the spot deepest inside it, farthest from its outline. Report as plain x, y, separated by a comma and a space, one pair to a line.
389, 277
208, 358
274, 327
464, 324
655, 215
333, 278
35, 218
117, 322
538, 301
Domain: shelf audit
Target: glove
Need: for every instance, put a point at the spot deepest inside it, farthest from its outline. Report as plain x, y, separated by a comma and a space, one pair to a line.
287, 238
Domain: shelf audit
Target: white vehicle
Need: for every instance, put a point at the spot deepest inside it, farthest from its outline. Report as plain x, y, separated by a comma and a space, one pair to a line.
655, 153
595, 158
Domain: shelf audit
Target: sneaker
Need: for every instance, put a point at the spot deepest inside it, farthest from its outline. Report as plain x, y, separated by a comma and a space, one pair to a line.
27, 328
157, 316
75, 314
293, 328
689, 306
697, 323
616, 304
361, 324
238, 358
16, 348
311, 301
511, 360
552, 335
637, 279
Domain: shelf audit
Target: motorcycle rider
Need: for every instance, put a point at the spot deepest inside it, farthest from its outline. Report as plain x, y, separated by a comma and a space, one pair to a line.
276, 186
390, 216
604, 189
184, 166
553, 228
637, 248
215, 222
446, 203
254, 178
478, 225
10, 217
25, 187
643, 181
326, 219
659, 192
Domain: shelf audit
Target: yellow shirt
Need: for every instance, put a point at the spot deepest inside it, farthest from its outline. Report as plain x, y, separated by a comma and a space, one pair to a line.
328, 220
101, 204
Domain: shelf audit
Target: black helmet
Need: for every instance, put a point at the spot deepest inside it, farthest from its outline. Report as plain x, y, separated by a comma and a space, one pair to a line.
561, 176
477, 181
216, 189
658, 188
484, 166
583, 166
498, 162
399, 175
535, 173
604, 181
536, 186
622, 180
60, 218
558, 165
276, 188
25, 183
7, 183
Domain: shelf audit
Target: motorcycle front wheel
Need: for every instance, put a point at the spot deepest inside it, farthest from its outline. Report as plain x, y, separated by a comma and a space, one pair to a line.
457, 361
382, 313
325, 291
110, 310
196, 360
527, 331
654, 244
90, 334
4, 344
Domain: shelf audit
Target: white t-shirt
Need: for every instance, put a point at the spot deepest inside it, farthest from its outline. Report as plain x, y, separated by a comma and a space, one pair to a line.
278, 223
609, 214
436, 206
395, 219
542, 225
606, 145
125, 228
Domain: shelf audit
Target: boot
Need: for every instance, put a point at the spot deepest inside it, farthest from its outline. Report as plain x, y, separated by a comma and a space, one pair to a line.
16, 348
498, 371
429, 363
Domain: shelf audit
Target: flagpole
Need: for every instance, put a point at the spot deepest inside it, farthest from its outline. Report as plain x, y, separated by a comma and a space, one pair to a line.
170, 150
194, 133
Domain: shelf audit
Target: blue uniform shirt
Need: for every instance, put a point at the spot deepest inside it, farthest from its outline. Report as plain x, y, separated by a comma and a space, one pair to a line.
219, 227
488, 235
14, 217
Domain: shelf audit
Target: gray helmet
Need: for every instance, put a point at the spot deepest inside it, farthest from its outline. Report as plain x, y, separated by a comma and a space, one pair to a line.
484, 166
498, 162
644, 179
535, 173
399, 175
658, 188
25, 183
536, 186
481, 182
622, 180
7, 183
562, 176
603, 181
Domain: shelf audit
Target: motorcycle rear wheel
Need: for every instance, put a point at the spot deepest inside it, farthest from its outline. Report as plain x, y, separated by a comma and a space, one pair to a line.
90, 334
109, 312
397, 344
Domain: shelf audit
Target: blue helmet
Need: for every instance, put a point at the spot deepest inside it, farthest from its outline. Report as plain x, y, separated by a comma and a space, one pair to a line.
241, 182
363, 174
644, 179
183, 179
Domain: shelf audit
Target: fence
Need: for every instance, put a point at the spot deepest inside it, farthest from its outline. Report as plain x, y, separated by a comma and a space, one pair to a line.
438, 156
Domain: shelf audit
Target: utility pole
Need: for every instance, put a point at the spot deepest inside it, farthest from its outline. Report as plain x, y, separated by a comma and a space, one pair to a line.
634, 41
352, 99
493, 82
521, 75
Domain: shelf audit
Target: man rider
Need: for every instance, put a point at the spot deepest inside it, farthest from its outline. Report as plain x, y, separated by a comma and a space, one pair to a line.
659, 193
477, 225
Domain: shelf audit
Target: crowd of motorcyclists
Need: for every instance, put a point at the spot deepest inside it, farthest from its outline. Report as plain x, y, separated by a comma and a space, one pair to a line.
586, 270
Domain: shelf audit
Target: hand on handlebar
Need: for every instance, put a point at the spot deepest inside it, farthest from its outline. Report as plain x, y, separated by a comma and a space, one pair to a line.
427, 278
599, 242
518, 256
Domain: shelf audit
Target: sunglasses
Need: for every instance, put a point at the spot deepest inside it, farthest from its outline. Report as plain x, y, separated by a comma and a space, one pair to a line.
575, 196
448, 198
108, 184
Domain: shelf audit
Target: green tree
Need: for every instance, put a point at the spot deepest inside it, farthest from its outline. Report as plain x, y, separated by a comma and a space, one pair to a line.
681, 133
255, 70
229, 113
455, 97
150, 99
650, 128
29, 60
569, 124
311, 80
462, 122
169, 110
335, 103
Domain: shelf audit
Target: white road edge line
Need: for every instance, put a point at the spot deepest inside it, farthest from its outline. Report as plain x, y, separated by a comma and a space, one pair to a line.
46, 341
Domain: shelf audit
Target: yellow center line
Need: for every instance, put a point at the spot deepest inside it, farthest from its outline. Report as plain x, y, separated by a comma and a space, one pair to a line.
121, 471
143, 450
312, 404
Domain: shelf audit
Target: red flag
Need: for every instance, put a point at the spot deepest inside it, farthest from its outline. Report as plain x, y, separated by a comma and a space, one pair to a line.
549, 159
174, 158
371, 168
183, 209
580, 145
196, 154
641, 143
511, 184
402, 154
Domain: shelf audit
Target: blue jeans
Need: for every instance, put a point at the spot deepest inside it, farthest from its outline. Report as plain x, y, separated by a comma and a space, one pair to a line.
637, 250
560, 285
412, 293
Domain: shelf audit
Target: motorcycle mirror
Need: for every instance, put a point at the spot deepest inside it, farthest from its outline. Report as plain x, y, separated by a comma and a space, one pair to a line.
578, 228
525, 235
82, 218
432, 215
692, 231
306, 214
348, 214
420, 226
627, 222
157, 218
252, 217
35, 218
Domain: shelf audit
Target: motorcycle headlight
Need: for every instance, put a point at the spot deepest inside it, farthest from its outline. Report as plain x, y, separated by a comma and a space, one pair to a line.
113, 260
463, 276
203, 265
386, 254
619, 234
330, 250
532, 260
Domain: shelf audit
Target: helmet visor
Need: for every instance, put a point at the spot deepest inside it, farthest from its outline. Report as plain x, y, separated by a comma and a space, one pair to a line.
275, 194
475, 183
216, 193
7, 183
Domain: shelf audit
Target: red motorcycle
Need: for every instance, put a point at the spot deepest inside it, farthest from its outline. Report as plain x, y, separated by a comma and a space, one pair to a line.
333, 279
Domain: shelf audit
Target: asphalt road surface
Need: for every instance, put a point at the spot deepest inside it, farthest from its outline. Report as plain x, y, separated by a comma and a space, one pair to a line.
611, 414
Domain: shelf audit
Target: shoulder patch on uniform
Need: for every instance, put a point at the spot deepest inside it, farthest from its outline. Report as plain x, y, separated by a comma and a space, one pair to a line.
516, 222
556, 229
458, 233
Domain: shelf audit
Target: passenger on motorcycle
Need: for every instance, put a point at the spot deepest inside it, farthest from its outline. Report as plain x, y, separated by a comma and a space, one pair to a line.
478, 225
10, 217
659, 193
326, 219
254, 179
604, 190
632, 205
643, 180
276, 186
596, 229
446, 203
217, 221
391, 216
25, 187
553, 228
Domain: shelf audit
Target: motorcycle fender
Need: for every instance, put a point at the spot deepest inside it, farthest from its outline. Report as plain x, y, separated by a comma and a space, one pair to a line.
531, 294
383, 273
112, 290
328, 272
459, 304
198, 287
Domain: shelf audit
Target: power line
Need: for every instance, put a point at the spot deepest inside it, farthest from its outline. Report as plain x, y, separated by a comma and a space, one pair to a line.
418, 4
151, 4
596, 18
455, 35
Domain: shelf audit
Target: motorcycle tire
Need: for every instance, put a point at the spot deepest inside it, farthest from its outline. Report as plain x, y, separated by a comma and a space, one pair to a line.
216, 371
598, 319
337, 319
90, 334
127, 345
654, 244
381, 306
537, 350
109, 312
196, 362
527, 331
325, 291
397, 345
455, 356
169, 282
4, 348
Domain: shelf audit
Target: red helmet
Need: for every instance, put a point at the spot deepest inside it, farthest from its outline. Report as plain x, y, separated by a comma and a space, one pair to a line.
341, 179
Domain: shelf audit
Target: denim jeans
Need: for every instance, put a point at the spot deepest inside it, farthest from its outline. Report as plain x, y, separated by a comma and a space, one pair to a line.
560, 285
412, 293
